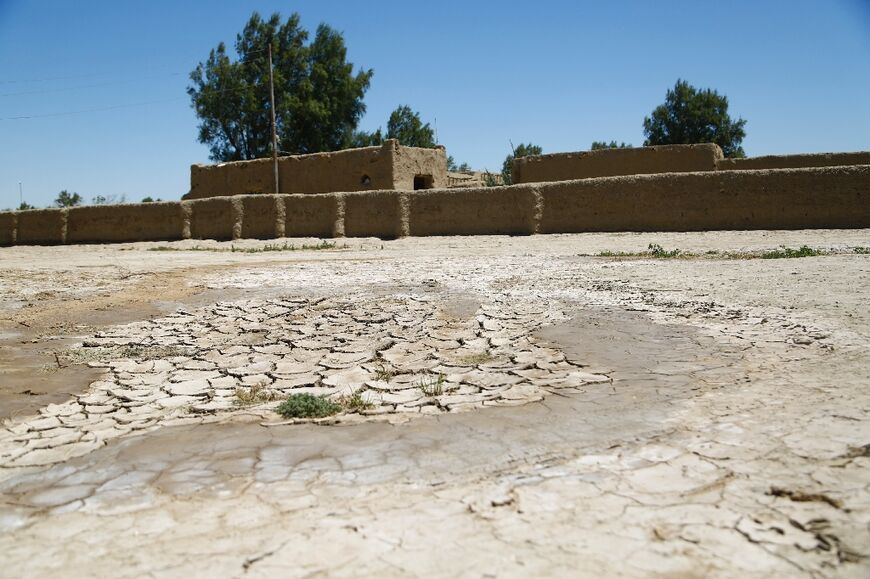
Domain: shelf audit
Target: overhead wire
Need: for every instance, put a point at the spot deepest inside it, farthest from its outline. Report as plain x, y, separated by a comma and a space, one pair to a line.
110, 107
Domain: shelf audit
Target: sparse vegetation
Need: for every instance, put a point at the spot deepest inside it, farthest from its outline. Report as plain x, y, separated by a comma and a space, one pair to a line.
307, 406
354, 402
86, 354
255, 394
658, 251
655, 250
382, 373
432, 386
787, 252
861, 250
286, 246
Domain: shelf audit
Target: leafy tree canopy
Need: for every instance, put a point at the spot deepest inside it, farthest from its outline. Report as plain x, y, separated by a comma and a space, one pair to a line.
318, 97
597, 145
67, 199
108, 199
521, 150
403, 125
25, 205
452, 165
689, 116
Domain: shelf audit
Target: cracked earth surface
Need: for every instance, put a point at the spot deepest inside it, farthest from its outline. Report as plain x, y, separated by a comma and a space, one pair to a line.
593, 416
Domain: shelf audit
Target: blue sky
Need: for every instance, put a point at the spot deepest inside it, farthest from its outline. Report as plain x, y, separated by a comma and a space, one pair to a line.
557, 73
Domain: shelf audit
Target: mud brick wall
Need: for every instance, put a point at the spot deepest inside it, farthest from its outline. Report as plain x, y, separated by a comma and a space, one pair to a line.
389, 166
809, 198
216, 218
795, 161
480, 211
837, 197
262, 216
375, 214
8, 225
313, 215
41, 227
616, 162
141, 222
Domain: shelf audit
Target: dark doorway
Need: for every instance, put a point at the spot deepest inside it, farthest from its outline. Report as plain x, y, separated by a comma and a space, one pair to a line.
423, 182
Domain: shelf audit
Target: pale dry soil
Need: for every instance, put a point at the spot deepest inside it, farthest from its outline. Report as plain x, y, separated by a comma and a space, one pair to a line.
513, 407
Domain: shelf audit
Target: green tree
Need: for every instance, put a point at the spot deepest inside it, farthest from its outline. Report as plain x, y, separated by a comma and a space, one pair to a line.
689, 115
364, 139
318, 97
151, 200
108, 199
453, 166
521, 150
67, 199
406, 126
598, 145
24, 206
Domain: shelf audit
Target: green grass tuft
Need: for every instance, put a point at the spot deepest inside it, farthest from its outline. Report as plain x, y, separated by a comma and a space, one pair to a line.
787, 252
307, 406
432, 386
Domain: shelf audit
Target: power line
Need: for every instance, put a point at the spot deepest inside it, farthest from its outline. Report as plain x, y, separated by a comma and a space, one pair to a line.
97, 74
102, 84
94, 110
113, 107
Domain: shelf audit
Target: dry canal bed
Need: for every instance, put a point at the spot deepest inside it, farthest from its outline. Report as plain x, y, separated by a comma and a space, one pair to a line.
548, 405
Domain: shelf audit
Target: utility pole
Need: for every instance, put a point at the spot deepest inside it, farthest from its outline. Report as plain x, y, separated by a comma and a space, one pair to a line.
274, 135
20, 195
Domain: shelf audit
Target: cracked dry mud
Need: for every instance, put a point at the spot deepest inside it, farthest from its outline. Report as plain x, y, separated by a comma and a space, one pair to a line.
529, 411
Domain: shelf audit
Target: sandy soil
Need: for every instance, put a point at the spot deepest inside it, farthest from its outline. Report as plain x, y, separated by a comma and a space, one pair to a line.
601, 415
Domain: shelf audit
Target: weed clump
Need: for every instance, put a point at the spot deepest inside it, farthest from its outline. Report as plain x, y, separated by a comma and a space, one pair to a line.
307, 406
383, 374
354, 402
658, 251
432, 386
254, 395
787, 252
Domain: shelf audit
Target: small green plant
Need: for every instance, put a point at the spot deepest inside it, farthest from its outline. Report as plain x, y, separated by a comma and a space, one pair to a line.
653, 250
432, 386
354, 402
861, 250
256, 394
658, 251
786, 252
382, 373
307, 406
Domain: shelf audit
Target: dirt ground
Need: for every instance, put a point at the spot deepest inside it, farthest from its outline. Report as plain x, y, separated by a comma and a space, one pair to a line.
526, 406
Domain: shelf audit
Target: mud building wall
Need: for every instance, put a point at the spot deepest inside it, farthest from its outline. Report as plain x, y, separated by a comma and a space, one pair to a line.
616, 162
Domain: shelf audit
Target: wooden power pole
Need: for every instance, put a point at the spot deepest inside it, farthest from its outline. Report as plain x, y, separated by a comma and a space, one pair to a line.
272, 108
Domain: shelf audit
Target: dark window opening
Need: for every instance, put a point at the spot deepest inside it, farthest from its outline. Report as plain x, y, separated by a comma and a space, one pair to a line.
366, 180
423, 182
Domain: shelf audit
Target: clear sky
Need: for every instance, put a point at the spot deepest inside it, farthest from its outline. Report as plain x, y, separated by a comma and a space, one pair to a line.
557, 73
